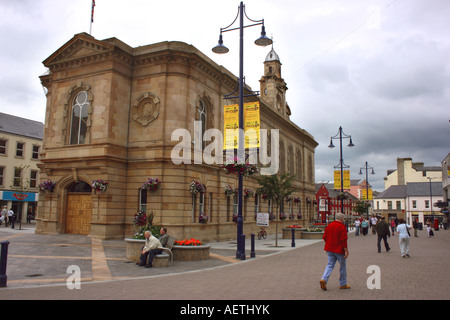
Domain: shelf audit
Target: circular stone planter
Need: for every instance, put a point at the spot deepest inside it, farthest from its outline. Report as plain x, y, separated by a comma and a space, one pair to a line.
134, 247
287, 233
312, 235
190, 253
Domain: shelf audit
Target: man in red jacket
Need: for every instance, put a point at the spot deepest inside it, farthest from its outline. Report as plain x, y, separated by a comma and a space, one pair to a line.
335, 237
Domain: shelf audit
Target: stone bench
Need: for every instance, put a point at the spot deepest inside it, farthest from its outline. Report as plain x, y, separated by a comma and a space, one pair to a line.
134, 247
161, 260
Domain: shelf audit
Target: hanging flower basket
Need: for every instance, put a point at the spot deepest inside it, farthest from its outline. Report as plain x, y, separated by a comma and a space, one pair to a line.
249, 193
140, 219
230, 191
203, 218
297, 200
99, 185
48, 185
151, 184
196, 187
233, 165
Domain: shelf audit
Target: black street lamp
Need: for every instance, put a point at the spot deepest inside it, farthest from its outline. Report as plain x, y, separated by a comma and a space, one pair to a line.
263, 40
367, 167
340, 135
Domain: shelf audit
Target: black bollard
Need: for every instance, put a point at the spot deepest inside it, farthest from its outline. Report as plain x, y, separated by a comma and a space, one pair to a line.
243, 247
3, 260
293, 238
252, 251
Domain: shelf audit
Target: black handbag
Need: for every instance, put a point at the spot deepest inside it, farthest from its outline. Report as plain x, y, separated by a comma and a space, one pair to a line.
406, 226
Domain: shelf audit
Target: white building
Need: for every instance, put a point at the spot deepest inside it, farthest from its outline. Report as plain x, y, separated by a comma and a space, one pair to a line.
420, 197
391, 203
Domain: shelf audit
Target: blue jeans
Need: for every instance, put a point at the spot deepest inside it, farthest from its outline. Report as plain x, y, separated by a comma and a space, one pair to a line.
332, 258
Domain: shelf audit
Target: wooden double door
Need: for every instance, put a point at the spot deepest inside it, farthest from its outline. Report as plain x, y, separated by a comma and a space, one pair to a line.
79, 212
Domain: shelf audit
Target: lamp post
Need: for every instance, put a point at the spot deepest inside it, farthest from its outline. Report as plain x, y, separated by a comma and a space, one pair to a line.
341, 135
367, 167
263, 40
431, 196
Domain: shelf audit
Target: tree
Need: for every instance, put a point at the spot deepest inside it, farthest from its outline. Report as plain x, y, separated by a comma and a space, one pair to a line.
361, 207
276, 188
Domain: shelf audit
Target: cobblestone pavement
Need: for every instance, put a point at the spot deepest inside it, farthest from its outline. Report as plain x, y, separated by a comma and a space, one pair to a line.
37, 269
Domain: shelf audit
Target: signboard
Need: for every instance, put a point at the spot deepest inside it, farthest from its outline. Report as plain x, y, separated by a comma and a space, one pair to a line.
337, 179
19, 196
252, 126
262, 219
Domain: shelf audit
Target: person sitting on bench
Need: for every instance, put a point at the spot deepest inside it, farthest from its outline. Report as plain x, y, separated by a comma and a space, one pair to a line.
151, 248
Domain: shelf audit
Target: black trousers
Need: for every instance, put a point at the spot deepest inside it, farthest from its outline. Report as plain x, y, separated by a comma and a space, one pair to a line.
386, 244
147, 258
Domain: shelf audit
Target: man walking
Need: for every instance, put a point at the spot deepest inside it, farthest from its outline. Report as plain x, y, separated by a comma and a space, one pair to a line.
383, 232
335, 237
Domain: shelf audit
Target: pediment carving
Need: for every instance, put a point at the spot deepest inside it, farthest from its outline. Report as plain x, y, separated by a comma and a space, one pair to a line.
79, 47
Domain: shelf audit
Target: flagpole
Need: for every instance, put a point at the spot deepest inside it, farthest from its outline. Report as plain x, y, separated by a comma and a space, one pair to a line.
92, 17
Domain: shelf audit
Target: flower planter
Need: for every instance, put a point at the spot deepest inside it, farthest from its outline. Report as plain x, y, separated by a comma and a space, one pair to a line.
287, 233
312, 235
190, 253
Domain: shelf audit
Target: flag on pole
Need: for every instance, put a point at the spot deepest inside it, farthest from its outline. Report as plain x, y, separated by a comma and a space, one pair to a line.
92, 15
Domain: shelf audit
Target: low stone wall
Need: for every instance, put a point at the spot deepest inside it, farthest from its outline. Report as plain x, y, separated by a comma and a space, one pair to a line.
312, 235
190, 253
287, 233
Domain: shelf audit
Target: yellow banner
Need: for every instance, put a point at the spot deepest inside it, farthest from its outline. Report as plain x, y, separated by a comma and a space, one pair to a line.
364, 194
337, 179
252, 126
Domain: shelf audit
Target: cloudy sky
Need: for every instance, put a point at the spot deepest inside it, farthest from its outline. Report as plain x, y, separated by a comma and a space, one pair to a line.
378, 68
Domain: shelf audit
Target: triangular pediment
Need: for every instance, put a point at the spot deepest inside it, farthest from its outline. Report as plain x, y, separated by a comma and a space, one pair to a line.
80, 46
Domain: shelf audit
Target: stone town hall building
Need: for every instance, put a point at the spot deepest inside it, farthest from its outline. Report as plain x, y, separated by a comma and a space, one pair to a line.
111, 110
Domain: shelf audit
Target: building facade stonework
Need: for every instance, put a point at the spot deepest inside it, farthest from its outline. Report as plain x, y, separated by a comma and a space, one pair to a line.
111, 113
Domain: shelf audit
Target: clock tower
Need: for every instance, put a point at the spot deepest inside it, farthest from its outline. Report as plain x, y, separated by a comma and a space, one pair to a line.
272, 86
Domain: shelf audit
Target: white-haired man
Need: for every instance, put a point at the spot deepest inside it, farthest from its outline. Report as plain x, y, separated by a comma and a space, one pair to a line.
335, 237
151, 248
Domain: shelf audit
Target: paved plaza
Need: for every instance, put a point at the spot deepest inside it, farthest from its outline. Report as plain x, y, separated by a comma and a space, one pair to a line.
38, 269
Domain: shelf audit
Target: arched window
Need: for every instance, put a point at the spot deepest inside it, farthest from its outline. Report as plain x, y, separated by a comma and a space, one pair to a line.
78, 126
202, 116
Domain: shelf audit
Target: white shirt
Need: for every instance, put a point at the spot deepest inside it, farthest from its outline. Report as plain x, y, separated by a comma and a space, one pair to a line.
401, 229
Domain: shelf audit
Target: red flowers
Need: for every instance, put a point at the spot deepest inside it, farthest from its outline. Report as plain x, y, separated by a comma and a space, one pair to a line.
190, 242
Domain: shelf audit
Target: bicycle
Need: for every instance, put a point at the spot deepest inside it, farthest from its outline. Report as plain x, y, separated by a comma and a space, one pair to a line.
262, 233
